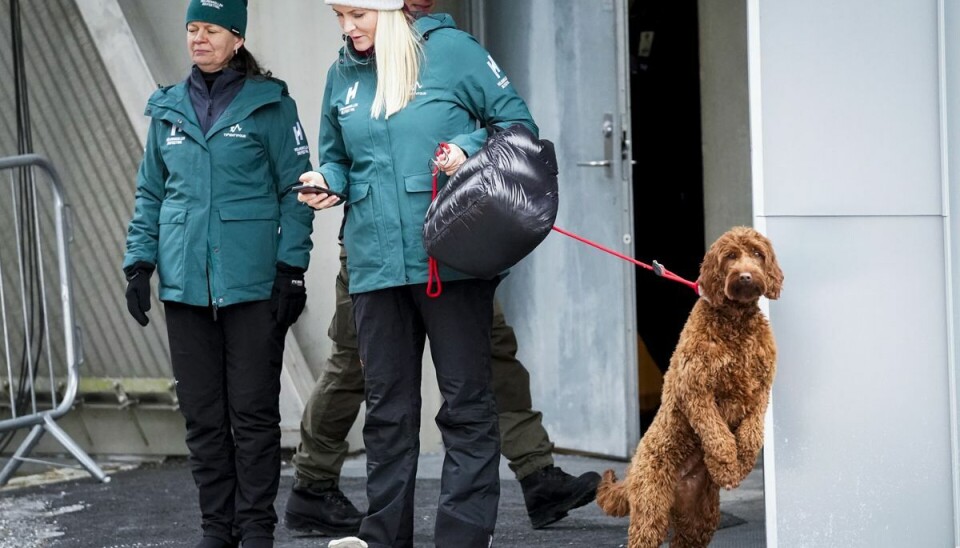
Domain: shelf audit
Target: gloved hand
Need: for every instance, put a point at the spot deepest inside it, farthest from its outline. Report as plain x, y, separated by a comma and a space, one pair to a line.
138, 290
289, 295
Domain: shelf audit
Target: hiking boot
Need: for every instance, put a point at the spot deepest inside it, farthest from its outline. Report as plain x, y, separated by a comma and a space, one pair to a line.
550, 493
323, 513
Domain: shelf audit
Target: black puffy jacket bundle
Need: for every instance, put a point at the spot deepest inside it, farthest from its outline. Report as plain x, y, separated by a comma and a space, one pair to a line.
497, 207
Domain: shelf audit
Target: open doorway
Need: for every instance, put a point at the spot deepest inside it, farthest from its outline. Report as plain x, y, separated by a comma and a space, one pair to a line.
691, 181
668, 205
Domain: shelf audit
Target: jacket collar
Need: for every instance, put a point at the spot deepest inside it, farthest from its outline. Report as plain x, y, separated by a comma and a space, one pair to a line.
173, 104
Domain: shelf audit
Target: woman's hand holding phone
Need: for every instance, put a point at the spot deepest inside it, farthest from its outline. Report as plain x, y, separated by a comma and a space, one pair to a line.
315, 193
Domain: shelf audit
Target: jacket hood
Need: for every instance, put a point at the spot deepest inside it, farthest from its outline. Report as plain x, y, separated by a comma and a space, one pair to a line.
435, 21
425, 25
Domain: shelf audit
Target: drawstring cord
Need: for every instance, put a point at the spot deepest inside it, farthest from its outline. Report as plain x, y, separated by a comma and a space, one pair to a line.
657, 268
434, 285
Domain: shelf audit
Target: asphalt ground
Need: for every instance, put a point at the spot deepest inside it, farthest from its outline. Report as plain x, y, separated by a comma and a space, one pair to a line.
155, 505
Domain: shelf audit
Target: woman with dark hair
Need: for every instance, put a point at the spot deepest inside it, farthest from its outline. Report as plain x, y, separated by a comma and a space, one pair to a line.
214, 216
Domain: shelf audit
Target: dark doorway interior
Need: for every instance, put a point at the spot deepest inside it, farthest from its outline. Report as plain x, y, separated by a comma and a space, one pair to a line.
668, 174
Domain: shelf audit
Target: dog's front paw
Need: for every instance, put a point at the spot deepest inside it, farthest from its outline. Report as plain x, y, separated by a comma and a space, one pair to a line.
726, 474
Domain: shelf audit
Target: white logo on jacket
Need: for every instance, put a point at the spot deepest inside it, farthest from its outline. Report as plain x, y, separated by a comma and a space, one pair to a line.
235, 132
418, 89
348, 105
176, 137
503, 81
301, 147
352, 92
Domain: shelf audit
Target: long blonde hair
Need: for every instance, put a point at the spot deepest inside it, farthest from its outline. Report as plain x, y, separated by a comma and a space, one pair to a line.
398, 56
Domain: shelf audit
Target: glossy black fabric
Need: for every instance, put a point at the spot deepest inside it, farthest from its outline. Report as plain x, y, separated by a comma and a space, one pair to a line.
497, 207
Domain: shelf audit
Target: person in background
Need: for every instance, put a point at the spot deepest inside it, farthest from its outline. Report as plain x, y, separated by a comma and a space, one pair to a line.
214, 216
317, 505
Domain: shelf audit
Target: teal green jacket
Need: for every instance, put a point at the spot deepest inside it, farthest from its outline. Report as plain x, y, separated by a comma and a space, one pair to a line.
383, 165
213, 211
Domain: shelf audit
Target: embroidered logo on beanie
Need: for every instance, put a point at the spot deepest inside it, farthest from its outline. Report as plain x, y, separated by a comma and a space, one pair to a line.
229, 14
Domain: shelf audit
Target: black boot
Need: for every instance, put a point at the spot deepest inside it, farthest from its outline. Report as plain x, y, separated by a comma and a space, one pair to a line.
550, 493
257, 543
326, 513
214, 542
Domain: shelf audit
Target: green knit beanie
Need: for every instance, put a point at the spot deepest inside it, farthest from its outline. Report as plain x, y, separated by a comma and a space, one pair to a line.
229, 14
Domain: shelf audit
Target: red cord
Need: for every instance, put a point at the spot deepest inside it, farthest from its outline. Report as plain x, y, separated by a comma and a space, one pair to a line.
659, 270
434, 285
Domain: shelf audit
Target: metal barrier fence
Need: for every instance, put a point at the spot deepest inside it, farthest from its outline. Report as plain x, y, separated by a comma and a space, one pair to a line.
34, 257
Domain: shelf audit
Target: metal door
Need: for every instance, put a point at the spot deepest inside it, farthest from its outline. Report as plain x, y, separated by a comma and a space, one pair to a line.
573, 307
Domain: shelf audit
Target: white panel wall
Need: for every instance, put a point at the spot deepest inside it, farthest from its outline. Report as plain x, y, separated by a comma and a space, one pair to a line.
861, 406
845, 102
851, 106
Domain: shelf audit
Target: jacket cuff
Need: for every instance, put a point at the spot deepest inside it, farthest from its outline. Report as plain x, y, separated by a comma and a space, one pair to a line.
138, 268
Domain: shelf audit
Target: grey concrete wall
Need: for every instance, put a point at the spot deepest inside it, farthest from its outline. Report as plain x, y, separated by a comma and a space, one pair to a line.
160, 32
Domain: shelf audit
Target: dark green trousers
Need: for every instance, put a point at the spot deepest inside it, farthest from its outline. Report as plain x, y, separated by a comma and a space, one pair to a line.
335, 401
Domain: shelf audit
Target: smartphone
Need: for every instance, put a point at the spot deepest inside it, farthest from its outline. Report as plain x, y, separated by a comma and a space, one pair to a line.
311, 189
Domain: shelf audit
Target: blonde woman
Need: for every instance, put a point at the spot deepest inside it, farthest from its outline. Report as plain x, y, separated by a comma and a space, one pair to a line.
399, 88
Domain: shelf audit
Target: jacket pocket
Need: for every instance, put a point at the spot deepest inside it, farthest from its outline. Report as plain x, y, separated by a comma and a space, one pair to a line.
171, 247
360, 235
419, 189
249, 237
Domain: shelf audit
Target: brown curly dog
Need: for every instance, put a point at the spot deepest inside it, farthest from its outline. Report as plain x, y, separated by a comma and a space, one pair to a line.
709, 428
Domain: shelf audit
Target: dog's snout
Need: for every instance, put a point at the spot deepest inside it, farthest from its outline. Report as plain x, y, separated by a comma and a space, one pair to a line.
745, 277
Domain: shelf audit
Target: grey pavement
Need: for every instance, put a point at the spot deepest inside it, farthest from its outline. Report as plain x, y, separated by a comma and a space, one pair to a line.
154, 505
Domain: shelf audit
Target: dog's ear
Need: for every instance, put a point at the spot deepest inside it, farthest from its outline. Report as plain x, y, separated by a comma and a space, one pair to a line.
774, 274
711, 277
772, 270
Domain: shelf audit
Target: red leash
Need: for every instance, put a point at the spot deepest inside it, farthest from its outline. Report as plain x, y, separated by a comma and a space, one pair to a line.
657, 268
434, 285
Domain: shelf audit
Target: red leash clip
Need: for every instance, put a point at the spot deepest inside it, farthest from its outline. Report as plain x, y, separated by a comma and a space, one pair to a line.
434, 285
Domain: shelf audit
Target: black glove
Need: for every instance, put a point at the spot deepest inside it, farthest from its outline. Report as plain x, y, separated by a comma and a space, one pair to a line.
138, 290
289, 295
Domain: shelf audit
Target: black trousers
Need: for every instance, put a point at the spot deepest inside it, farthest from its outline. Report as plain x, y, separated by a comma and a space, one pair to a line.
228, 383
391, 326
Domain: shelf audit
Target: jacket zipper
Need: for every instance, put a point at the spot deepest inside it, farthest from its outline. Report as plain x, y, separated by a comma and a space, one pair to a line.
213, 300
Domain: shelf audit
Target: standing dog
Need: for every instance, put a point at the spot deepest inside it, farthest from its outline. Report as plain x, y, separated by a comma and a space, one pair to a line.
709, 428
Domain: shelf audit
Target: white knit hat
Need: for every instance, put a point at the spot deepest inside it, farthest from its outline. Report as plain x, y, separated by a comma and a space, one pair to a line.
382, 5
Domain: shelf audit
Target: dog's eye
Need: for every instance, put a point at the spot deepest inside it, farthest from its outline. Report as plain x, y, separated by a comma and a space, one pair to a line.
732, 255
759, 255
